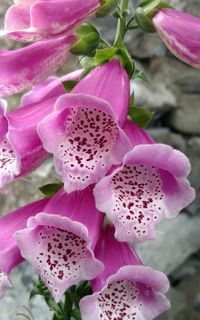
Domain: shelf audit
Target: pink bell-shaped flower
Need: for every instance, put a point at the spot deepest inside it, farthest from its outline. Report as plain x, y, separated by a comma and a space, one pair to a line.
150, 185
22, 68
62, 239
36, 20
125, 289
21, 150
181, 34
84, 132
10, 255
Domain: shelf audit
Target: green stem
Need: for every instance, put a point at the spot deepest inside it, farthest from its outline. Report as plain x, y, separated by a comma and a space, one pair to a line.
121, 26
68, 304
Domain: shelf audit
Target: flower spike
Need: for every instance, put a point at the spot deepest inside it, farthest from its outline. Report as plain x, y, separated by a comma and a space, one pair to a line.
63, 238
125, 289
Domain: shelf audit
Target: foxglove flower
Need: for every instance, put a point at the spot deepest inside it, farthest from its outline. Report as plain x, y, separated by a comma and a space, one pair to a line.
62, 240
83, 132
21, 150
151, 185
35, 20
10, 255
126, 289
180, 32
25, 67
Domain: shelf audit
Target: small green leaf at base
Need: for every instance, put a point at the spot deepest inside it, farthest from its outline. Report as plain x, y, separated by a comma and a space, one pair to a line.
69, 85
141, 116
50, 189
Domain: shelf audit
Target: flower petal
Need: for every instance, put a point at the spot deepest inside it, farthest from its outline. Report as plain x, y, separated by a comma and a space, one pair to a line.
18, 74
4, 283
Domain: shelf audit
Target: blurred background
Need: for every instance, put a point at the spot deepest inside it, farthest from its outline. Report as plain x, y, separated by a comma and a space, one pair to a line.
174, 96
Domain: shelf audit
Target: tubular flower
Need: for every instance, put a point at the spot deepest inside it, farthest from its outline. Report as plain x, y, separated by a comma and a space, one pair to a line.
21, 150
18, 74
126, 289
83, 132
62, 240
175, 29
151, 185
10, 255
28, 21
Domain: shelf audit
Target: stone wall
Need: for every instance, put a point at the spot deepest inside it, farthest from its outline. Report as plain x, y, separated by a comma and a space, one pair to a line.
174, 96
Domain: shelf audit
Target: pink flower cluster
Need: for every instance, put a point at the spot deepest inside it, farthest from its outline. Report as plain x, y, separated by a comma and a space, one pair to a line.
110, 168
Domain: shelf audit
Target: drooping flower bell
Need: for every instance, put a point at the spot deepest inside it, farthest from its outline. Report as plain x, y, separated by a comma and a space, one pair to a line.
62, 240
150, 185
21, 150
125, 289
83, 132
181, 34
22, 68
10, 255
35, 20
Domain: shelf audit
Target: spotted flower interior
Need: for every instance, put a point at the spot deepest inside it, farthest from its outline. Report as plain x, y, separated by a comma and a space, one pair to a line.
90, 134
122, 300
59, 255
138, 199
9, 163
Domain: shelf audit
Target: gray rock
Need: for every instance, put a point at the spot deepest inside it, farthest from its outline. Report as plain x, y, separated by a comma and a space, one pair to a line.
164, 135
176, 240
186, 117
189, 81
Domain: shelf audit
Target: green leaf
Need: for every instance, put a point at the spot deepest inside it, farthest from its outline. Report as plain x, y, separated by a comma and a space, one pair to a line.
143, 21
69, 85
106, 7
89, 39
141, 116
50, 189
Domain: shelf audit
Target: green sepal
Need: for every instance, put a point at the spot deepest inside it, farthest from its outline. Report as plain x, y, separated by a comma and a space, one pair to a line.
50, 189
69, 85
89, 39
141, 116
145, 12
106, 7
139, 74
104, 55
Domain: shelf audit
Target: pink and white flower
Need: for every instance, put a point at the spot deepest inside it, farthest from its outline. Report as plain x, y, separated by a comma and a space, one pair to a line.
62, 239
150, 185
83, 133
35, 20
180, 32
10, 255
22, 68
125, 289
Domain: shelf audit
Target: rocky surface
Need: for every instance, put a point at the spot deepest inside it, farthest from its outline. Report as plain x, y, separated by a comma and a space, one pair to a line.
174, 96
